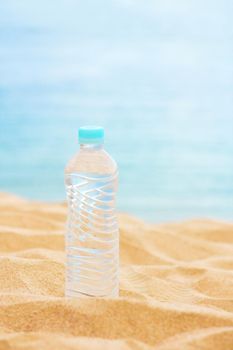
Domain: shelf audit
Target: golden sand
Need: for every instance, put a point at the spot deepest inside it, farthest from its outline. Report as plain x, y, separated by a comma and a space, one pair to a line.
176, 285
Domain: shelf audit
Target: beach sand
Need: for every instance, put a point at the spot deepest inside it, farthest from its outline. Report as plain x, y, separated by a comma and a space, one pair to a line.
176, 285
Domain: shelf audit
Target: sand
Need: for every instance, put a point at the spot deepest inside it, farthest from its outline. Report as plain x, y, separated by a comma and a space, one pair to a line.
176, 285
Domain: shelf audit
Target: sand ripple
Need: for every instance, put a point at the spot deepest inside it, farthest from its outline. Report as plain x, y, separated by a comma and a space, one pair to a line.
176, 285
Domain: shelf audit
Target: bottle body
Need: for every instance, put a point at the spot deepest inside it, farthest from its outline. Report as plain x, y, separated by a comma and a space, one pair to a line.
92, 235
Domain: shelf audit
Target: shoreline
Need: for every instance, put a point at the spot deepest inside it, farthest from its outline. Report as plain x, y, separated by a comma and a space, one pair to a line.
175, 284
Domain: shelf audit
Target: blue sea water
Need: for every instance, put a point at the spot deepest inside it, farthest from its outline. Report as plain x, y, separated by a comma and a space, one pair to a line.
158, 75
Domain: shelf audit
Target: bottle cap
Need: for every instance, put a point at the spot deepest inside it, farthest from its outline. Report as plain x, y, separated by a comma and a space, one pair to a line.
91, 134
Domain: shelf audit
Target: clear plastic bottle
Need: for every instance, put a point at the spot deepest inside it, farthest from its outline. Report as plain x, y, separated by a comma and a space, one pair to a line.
92, 236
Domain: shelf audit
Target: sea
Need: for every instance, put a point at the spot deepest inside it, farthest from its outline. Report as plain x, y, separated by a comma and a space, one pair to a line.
158, 75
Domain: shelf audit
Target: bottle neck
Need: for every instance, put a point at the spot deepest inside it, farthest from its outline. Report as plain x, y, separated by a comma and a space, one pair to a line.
91, 146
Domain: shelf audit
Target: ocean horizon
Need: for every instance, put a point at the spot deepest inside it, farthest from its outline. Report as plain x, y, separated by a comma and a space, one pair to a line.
159, 80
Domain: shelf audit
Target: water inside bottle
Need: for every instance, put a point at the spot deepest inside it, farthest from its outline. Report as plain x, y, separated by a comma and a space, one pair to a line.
92, 236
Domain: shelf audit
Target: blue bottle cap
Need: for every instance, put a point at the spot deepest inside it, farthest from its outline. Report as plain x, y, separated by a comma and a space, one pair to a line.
91, 134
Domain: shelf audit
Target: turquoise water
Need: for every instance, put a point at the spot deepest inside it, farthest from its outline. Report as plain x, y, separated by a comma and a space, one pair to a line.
158, 75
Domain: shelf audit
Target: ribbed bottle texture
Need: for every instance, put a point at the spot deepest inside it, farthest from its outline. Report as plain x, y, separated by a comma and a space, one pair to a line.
92, 242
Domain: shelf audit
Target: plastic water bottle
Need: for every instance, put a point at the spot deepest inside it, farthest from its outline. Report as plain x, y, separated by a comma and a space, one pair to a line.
92, 237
